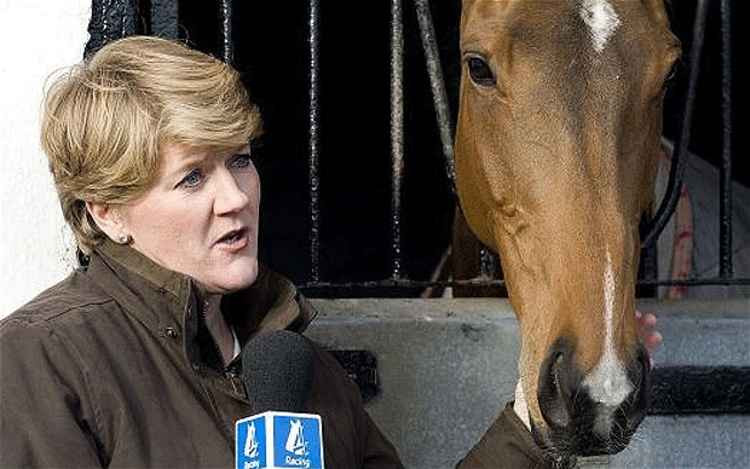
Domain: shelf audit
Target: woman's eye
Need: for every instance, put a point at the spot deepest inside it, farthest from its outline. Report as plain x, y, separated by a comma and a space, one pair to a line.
241, 161
193, 179
480, 72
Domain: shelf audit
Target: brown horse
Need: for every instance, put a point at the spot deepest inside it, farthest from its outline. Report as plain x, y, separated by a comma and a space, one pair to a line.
556, 149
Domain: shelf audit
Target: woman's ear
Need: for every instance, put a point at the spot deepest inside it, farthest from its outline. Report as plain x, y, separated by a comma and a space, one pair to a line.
109, 220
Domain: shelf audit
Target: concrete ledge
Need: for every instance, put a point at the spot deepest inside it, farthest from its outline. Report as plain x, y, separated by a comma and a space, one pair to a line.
447, 367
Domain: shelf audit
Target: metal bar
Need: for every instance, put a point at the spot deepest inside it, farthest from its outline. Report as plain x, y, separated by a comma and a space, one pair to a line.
697, 282
227, 44
650, 262
725, 181
680, 156
487, 263
404, 283
437, 86
111, 20
314, 144
397, 130
483, 282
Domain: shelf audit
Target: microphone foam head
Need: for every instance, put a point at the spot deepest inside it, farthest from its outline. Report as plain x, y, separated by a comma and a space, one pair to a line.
277, 371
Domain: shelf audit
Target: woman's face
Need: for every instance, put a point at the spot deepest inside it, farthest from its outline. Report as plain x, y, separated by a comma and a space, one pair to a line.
201, 217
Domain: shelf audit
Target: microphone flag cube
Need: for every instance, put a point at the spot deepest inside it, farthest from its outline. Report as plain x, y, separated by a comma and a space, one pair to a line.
279, 440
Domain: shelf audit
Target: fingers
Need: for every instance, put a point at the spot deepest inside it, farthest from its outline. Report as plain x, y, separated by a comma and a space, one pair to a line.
651, 338
649, 320
645, 320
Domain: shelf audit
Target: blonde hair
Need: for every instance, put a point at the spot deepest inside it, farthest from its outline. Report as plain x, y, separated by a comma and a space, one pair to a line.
106, 120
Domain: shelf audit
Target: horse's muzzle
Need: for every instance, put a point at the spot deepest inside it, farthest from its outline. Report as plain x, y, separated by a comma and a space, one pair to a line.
577, 423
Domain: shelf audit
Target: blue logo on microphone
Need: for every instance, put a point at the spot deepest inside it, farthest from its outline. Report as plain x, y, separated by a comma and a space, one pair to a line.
279, 440
250, 443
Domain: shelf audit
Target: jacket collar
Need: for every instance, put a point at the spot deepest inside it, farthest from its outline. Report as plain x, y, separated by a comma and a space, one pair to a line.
163, 299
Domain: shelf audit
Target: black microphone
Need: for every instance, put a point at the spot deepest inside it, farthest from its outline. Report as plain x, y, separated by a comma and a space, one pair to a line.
277, 371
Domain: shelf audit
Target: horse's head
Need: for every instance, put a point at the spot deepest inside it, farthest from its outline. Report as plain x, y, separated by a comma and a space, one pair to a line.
558, 131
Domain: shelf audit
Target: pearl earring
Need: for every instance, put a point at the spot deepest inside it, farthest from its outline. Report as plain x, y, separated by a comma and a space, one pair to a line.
124, 239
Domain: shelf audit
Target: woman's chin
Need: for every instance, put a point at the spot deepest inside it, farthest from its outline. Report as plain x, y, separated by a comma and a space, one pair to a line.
234, 277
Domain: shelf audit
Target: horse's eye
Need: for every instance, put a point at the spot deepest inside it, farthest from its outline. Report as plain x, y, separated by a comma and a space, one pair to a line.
673, 72
480, 72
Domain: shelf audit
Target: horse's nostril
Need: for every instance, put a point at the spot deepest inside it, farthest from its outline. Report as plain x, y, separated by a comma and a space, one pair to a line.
554, 363
556, 374
638, 402
556, 386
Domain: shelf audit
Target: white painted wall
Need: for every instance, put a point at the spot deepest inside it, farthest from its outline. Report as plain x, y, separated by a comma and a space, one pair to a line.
36, 249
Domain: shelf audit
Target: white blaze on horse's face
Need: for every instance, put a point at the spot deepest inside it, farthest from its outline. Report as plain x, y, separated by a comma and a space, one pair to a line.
608, 382
602, 20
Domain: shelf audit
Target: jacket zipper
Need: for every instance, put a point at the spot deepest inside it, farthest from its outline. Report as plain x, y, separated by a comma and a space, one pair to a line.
214, 406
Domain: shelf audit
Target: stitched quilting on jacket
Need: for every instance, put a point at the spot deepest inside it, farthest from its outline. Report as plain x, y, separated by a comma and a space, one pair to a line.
114, 367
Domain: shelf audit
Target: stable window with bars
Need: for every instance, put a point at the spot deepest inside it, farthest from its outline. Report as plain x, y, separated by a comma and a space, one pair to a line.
359, 104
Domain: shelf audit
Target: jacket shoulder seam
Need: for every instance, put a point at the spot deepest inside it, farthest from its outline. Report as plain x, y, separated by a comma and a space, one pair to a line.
78, 308
31, 317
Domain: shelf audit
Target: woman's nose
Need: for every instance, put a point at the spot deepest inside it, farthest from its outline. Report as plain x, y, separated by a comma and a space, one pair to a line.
232, 194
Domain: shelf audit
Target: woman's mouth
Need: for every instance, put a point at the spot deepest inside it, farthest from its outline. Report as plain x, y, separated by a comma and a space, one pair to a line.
233, 240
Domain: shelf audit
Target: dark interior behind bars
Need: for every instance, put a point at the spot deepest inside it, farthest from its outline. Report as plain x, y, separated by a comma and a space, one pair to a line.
270, 46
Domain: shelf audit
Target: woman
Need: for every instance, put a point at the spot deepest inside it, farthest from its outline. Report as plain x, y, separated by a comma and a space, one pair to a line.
133, 360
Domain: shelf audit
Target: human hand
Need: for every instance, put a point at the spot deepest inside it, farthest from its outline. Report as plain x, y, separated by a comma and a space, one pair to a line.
652, 339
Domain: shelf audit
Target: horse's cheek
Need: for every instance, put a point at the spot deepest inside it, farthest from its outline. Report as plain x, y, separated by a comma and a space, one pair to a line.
469, 181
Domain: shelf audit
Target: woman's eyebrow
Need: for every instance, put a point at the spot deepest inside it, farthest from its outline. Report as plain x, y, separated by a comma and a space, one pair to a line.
186, 162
